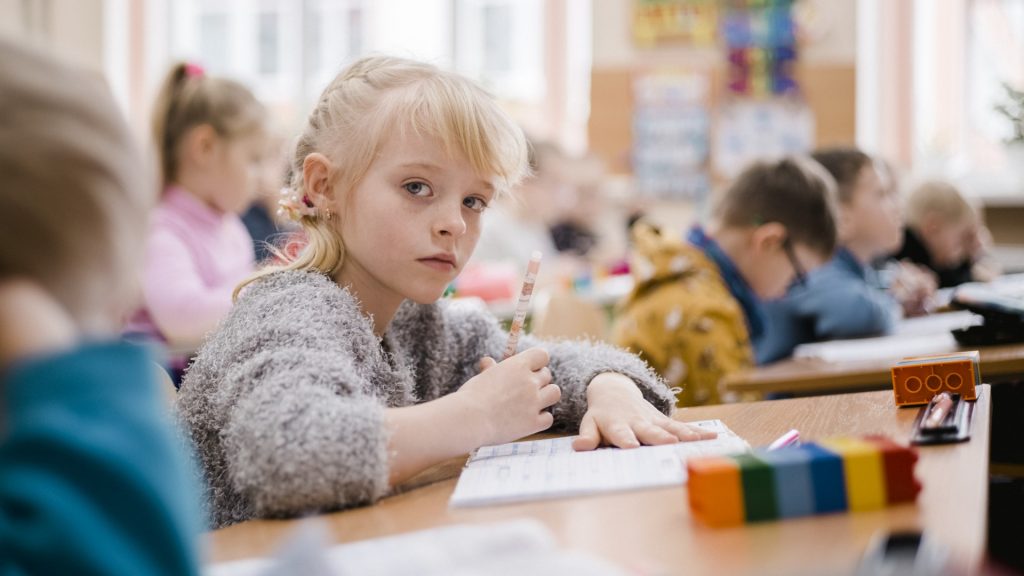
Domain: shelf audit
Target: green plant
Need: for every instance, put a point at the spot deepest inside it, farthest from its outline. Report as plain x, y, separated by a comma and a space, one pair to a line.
1013, 110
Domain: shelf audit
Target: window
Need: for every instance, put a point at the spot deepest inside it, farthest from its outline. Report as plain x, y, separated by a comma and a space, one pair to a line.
501, 44
286, 51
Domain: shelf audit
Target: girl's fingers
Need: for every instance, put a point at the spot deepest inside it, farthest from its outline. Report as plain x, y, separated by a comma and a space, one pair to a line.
487, 362
544, 376
652, 434
688, 433
589, 437
550, 395
620, 435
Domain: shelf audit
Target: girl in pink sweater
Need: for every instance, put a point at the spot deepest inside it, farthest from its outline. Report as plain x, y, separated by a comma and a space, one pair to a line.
209, 135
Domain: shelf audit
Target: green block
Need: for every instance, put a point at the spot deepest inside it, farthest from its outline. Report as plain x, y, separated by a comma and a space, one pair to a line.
758, 482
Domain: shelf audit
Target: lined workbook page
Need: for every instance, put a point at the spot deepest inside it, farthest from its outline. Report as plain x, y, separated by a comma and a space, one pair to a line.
543, 469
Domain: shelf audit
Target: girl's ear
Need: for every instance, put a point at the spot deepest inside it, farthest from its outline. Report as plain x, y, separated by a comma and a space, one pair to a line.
768, 238
316, 179
199, 144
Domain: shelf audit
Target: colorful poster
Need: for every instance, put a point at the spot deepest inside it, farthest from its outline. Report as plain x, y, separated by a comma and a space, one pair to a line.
683, 21
760, 39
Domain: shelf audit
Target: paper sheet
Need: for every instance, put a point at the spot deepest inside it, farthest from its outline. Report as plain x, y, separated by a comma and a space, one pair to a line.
885, 348
499, 549
544, 469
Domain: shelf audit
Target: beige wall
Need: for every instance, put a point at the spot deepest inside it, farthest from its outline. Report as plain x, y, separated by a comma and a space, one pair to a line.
72, 29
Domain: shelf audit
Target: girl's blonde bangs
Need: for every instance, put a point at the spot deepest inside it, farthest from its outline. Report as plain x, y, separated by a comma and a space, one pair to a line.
465, 119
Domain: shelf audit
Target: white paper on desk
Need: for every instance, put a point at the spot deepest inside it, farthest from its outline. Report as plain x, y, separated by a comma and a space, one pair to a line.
883, 348
500, 549
935, 323
543, 469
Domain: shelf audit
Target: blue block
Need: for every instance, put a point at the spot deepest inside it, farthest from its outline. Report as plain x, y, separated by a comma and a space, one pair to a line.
827, 479
794, 490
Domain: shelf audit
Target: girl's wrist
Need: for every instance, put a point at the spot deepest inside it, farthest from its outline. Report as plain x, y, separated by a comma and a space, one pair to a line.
471, 418
612, 383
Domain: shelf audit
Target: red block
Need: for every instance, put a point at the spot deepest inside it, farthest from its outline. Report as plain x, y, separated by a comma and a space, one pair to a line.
900, 484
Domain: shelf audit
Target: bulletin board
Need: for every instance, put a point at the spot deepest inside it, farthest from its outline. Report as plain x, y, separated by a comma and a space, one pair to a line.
828, 89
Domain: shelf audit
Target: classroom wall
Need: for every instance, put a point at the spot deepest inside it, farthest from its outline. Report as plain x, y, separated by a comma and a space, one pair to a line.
71, 28
826, 72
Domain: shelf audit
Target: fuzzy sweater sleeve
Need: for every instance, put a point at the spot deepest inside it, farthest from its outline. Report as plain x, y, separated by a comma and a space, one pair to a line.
291, 409
472, 333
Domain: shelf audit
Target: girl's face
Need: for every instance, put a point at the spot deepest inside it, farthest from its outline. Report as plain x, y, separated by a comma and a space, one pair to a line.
234, 173
949, 243
872, 216
412, 222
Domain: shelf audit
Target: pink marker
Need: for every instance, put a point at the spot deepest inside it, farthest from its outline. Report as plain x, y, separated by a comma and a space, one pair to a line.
787, 439
523, 305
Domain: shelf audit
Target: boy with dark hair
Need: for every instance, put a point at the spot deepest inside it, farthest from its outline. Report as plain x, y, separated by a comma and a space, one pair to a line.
844, 298
696, 304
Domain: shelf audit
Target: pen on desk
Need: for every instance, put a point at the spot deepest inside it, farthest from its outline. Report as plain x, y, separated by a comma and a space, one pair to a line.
787, 439
940, 407
523, 305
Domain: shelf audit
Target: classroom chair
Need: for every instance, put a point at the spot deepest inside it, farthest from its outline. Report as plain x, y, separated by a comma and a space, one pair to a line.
567, 315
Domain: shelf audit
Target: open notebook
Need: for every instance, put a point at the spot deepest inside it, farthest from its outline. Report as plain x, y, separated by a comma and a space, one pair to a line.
543, 469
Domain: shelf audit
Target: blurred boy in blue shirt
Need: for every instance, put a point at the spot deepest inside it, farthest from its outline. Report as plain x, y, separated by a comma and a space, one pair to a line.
844, 298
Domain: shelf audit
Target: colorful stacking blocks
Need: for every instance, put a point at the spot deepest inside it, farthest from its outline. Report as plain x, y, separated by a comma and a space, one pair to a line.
831, 476
915, 380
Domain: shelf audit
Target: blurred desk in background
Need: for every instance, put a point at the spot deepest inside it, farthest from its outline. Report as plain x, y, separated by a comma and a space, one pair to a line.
820, 376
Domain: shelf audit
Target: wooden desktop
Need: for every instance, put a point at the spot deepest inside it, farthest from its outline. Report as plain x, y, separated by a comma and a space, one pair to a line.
653, 532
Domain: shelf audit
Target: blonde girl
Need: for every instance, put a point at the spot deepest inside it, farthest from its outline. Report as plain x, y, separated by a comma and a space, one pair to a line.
341, 374
208, 133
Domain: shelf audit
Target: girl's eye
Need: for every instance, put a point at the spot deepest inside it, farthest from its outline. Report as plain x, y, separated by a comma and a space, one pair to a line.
417, 188
474, 203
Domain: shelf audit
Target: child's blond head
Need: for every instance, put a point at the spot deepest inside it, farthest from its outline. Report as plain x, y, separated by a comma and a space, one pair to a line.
377, 97
75, 192
189, 98
937, 199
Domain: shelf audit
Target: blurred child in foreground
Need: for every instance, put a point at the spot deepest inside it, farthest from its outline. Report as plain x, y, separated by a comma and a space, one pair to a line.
91, 480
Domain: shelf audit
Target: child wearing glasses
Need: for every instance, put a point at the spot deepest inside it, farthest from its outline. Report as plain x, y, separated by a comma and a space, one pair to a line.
844, 299
695, 307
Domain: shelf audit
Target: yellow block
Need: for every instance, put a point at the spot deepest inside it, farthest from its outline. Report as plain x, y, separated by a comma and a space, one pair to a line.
864, 471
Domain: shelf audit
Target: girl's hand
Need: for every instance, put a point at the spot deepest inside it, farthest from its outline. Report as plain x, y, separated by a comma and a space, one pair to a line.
31, 321
511, 396
914, 288
618, 415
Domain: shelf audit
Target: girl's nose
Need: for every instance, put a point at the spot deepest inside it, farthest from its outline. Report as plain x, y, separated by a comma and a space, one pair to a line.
450, 221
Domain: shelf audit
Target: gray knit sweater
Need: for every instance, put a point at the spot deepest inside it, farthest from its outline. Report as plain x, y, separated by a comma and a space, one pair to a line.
285, 401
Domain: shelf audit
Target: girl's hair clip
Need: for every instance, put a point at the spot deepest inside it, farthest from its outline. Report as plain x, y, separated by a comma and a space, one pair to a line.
294, 206
193, 70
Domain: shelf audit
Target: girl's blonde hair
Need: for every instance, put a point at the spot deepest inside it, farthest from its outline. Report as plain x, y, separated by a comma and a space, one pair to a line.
190, 98
375, 97
940, 198
74, 189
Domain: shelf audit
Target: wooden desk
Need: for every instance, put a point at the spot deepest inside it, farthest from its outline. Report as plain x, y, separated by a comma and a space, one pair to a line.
653, 529
816, 376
